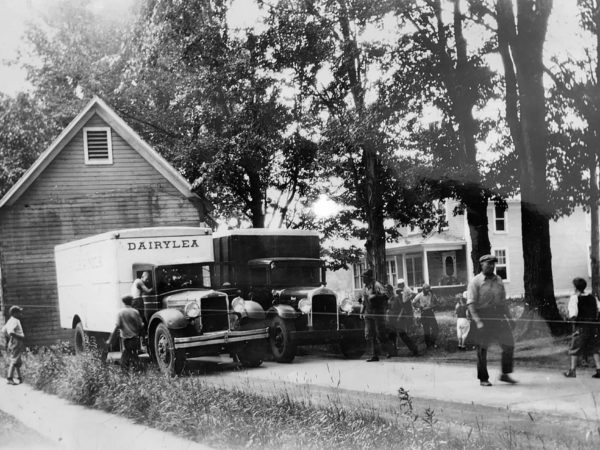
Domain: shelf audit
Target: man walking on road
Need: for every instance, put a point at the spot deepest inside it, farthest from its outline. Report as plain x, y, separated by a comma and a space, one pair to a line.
373, 309
486, 300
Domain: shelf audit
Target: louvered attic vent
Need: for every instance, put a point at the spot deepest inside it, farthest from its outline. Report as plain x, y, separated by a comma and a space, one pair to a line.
98, 146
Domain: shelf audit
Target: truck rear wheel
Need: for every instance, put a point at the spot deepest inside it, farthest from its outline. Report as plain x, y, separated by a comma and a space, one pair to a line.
282, 345
80, 339
169, 360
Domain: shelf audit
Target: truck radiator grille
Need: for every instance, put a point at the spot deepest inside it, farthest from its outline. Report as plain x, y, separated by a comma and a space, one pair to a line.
324, 312
213, 311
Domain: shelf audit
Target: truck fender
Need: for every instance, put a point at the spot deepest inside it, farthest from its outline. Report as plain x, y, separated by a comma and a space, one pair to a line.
172, 318
253, 310
283, 311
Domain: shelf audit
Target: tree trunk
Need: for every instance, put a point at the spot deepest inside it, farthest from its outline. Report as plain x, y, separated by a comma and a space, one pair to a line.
595, 241
373, 199
477, 220
593, 146
526, 41
458, 81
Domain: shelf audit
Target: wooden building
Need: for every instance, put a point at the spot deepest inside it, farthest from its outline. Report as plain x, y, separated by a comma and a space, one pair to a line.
98, 175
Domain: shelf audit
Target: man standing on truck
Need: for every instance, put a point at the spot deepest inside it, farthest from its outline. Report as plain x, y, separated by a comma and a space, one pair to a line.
373, 308
139, 288
130, 327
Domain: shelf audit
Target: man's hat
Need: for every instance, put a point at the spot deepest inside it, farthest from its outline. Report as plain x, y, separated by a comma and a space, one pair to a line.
368, 273
13, 309
401, 281
488, 258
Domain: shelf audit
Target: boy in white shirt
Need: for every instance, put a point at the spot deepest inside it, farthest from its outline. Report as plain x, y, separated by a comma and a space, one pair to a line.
15, 344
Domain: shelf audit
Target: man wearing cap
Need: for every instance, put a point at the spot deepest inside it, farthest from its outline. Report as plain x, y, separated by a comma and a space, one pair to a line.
486, 300
129, 326
374, 302
12, 332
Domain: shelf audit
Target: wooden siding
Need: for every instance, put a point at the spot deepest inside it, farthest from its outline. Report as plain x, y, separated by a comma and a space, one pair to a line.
71, 200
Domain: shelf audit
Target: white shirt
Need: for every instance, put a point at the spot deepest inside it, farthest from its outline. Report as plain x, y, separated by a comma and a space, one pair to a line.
13, 326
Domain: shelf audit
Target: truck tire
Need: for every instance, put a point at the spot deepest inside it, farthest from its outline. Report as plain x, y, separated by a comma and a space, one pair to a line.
81, 340
252, 354
169, 360
283, 347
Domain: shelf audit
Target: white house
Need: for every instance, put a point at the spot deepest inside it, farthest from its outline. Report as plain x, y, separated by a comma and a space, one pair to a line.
442, 258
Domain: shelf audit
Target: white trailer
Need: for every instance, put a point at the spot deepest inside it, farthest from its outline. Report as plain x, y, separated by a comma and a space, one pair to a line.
183, 315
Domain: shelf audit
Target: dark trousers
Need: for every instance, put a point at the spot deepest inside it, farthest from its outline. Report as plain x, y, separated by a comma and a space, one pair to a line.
393, 338
129, 355
494, 330
430, 327
375, 332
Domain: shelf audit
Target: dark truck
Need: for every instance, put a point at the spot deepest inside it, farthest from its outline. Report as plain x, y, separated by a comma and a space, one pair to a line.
282, 271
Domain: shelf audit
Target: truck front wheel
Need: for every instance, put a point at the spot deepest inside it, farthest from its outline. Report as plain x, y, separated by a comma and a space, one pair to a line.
80, 339
169, 360
282, 345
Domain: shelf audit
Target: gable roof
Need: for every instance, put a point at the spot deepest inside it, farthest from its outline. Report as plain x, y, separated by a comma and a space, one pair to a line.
97, 106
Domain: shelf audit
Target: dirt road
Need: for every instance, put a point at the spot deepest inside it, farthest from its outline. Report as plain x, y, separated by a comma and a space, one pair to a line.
543, 406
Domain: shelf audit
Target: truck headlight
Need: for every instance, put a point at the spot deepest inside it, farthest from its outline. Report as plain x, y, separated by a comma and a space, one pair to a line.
305, 305
346, 305
192, 310
238, 305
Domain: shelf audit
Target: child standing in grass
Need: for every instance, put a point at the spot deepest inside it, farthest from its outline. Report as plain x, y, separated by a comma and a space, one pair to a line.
462, 321
15, 344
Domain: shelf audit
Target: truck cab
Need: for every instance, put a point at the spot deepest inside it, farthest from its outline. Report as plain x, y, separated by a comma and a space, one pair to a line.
282, 271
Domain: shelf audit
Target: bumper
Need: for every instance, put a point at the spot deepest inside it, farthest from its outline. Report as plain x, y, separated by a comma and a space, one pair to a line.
220, 338
327, 336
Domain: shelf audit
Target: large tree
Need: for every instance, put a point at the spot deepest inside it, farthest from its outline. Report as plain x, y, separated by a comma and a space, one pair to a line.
434, 67
576, 94
521, 39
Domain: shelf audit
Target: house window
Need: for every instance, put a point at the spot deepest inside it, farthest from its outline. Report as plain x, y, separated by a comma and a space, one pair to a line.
502, 264
414, 270
392, 274
358, 270
97, 145
499, 219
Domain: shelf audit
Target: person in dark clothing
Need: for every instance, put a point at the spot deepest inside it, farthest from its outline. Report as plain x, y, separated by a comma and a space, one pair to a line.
486, 300
129, 327
583, 312
393, 309
373, 310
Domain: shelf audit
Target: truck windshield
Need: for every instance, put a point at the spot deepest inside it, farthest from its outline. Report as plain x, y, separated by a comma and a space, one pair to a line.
295, 274
182, 276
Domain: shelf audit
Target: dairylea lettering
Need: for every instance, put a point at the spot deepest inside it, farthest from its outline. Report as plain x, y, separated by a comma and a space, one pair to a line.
161, 245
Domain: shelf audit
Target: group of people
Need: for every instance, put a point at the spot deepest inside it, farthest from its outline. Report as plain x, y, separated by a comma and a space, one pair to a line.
389, 315
485, 304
